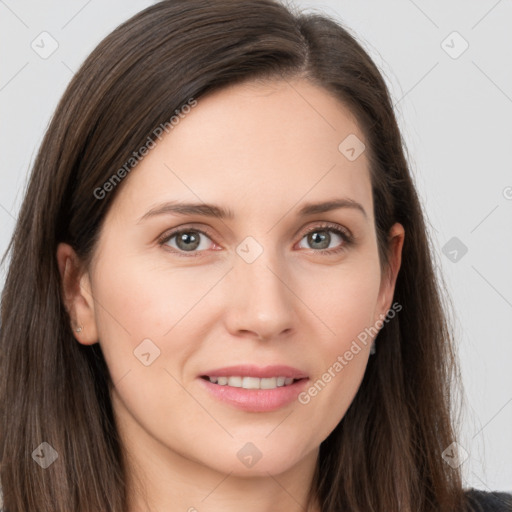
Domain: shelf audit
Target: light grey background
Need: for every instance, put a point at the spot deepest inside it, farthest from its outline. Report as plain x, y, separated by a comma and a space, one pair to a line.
455, 113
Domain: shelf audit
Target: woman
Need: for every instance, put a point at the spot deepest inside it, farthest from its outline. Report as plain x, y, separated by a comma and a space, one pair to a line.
220, 289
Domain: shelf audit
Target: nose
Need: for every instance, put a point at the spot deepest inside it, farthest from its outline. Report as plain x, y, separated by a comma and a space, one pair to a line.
260, 302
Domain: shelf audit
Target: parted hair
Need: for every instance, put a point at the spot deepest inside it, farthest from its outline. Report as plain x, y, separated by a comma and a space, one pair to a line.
386, 452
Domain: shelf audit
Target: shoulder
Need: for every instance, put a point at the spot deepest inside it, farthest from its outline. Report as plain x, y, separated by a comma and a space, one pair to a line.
483, 501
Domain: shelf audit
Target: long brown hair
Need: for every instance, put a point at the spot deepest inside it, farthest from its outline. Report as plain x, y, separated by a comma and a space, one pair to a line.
385, 454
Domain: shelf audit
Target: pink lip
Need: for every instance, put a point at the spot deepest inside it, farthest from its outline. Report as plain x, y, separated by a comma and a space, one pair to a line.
246, 370
256, 400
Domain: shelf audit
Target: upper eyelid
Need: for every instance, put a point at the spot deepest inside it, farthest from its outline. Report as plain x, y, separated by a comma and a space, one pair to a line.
328, 226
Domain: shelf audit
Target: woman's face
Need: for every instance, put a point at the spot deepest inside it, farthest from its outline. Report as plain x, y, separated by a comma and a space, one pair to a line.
250, 289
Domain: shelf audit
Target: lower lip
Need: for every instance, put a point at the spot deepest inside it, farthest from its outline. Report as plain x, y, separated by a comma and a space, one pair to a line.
256, 400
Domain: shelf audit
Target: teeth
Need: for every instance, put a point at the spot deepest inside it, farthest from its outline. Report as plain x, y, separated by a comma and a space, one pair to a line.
269, 383
252, 382
235, 382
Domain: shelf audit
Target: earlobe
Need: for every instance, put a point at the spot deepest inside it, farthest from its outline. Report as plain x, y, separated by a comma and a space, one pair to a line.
76, 295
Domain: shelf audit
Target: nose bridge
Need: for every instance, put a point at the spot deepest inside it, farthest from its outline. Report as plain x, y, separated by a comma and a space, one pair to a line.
259, 265
259, 293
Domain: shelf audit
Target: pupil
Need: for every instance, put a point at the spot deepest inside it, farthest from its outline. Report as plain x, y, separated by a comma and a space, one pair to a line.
322, 239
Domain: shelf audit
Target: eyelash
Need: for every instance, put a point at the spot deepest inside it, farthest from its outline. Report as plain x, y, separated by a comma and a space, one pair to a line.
347, 237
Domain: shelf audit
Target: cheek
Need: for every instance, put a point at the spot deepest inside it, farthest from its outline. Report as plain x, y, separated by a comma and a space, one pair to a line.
139, 298
344, 300
146, 312
345, 310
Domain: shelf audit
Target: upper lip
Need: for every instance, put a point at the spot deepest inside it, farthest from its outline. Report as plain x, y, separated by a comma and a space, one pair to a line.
247, 370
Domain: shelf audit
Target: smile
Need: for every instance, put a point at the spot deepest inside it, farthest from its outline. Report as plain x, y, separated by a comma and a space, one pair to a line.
252, 382
254, 388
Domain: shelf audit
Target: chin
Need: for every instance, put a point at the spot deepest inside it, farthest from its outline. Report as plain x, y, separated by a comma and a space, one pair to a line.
258, 458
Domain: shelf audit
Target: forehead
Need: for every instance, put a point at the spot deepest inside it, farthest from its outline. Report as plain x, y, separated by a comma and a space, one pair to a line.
252, 145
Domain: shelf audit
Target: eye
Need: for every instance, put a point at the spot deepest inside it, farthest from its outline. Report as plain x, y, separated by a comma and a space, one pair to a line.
322, 236
188, 240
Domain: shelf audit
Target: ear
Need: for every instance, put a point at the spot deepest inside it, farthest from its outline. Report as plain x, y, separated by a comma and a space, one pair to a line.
387, 286
77, 295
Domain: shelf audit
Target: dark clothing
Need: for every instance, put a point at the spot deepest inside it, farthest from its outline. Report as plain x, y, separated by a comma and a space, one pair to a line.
482, 501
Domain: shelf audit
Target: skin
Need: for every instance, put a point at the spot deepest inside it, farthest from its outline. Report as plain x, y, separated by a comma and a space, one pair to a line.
262, 150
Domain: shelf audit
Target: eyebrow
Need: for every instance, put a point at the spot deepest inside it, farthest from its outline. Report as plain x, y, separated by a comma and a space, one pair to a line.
212, 210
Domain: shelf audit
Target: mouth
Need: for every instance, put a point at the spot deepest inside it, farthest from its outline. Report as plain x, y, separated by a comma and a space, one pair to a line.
255, 389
